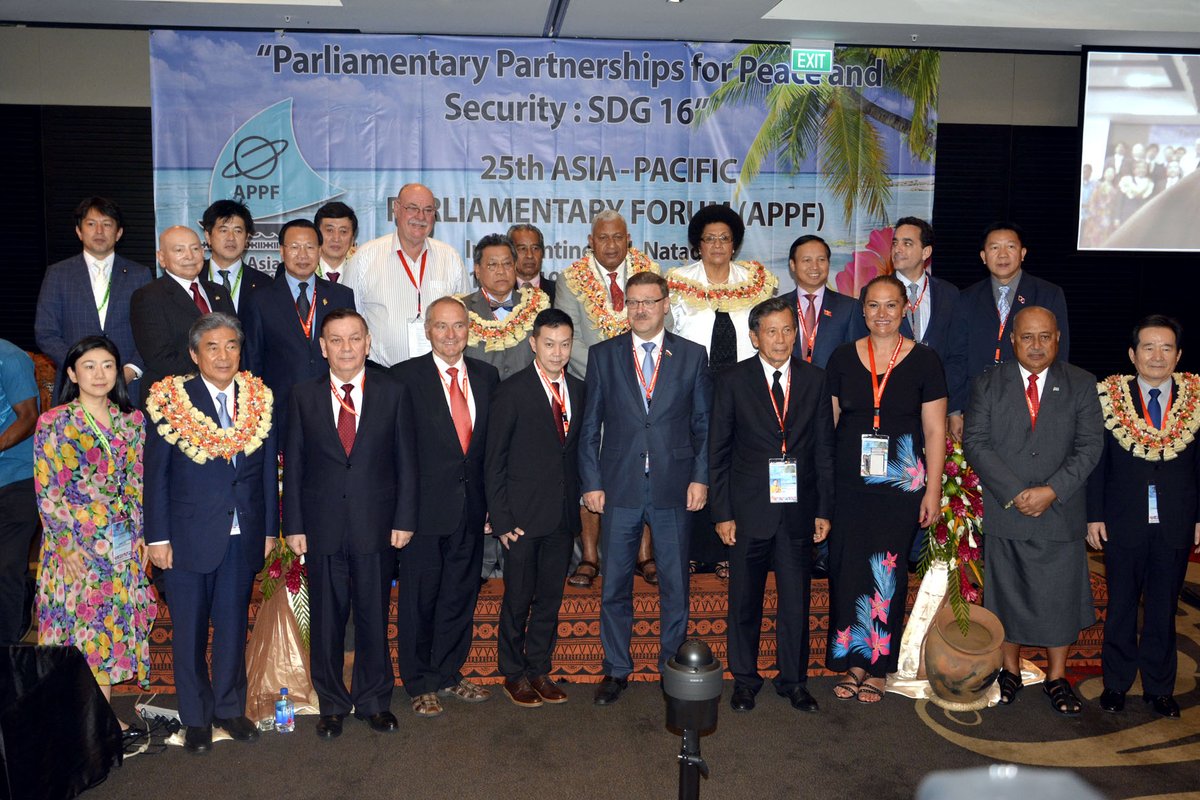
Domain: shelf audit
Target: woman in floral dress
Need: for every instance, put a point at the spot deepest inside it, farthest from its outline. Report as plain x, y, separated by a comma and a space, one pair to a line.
92, 588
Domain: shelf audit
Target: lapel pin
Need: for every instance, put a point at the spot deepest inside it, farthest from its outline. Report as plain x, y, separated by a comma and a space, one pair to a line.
325, 302
668, 352
1054, 388
1021, 299
827, 312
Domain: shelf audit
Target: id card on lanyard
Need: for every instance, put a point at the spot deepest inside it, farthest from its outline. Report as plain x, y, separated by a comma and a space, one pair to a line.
781, 472
873, 457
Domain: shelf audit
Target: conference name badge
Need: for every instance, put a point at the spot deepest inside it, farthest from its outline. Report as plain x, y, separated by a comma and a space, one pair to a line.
418, 342
122, 541
1152, 498
874, 456
782, 475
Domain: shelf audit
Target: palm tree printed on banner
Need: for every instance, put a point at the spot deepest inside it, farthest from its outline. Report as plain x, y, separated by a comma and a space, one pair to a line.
868, 636
836, 122
906, 471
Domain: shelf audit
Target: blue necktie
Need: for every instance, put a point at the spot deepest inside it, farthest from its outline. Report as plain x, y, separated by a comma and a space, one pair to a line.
1002, 306
1154, 408
223, 416
647, 370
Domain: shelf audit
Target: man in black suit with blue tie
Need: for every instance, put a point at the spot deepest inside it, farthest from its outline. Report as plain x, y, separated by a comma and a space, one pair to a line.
1144, 513
283, 319
89, 293
228, 227
349, 498
827, 318
211, 516
643, 460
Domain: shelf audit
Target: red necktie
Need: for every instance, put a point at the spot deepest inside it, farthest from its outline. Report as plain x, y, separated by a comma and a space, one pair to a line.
557, 409
345, 425
199, 298
1031, 398
333, 276
618, 297
459, 410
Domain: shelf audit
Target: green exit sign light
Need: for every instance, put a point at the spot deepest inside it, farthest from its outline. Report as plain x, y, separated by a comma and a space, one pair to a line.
808, 60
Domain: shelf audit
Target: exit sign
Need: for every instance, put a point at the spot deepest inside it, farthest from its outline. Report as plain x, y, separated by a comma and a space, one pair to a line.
812, 60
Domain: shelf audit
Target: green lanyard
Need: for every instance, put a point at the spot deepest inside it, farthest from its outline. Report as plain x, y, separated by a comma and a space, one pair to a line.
212, 274
95, 426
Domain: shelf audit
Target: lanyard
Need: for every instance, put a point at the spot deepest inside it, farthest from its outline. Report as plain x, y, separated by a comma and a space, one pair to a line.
1000, 332
553, 387
637, 367
212, 276
307, 324
107, 291
914, 308
1146, 414
877, 387
349, 409
95, 426
787, 398
416, 282
810, 337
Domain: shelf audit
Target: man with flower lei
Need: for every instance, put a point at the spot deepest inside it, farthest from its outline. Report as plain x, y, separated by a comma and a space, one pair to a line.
591, 291
1144, 513
211, 516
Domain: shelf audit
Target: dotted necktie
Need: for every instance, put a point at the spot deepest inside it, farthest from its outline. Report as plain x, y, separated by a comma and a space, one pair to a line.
345, 420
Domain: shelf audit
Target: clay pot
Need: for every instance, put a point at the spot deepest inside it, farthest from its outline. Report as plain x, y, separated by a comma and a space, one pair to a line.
961, 668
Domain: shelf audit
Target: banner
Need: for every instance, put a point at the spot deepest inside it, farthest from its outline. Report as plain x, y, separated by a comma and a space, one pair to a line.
548, 132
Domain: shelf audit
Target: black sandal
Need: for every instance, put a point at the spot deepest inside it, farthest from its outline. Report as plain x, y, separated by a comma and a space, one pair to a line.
1010, 684
1062, 697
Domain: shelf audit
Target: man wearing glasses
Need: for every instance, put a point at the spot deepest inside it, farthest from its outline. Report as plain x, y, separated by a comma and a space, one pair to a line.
397, 276
500, 316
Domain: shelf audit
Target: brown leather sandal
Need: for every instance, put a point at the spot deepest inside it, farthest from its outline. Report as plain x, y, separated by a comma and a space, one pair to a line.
650, 576
578, 579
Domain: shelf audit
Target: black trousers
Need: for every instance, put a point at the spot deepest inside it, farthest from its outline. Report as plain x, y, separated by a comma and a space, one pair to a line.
18, 524
750, 560
533, 590
338, 585
439, 585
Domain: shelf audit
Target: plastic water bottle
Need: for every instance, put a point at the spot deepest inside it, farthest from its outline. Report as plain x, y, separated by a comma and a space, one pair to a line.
285, 712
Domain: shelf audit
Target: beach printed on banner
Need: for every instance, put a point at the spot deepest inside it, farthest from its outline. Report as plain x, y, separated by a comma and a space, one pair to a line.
548, 132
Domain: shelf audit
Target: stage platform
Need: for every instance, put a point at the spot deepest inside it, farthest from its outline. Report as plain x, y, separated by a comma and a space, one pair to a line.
578, 656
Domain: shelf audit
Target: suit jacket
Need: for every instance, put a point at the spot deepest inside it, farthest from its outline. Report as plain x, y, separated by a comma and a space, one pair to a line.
744, 437
1118, 491
451, 483
191, 505
532, 478
276, 347
507, 362
841, 322
674, 432
350, 503
161, 314
252, 280
975, 324
1010, 456
66, 308
942, 297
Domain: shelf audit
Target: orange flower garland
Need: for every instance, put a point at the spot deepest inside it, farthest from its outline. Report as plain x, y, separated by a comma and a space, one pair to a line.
197, 434
581, 280
1121, 416
726, 296
497, 334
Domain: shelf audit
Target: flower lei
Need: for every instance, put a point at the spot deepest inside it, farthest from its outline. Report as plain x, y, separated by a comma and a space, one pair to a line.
502, 334
725, 296
1129, 428
582, 281
196, 433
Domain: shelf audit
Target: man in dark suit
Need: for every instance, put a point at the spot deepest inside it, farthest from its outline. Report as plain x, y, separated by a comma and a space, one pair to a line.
439, 569
338, 225
228, 227
827, 319
211, 516
532, 475
1033, 434
649, 396
772, 421
88, 294
161, 313
349, 498
980, 333
284, 319
530, 246
1144, 514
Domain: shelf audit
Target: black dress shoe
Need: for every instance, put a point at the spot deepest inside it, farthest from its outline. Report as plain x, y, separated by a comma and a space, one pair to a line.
742, 699
198, 739
1162, 704
382, 722
609, 690
329, 726
240, 728
1112, 701
801, 700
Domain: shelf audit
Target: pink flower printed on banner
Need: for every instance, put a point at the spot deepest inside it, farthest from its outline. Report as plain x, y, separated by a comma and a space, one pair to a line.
866, 264
880, 606
880, 644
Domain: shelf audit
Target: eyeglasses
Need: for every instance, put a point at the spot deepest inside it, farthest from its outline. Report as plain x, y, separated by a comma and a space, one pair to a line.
297, 247
424, 211
711, 239
498, 266
646, 304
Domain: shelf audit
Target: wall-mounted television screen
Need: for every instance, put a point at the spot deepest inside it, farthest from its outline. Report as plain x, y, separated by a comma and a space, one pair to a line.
1140, 167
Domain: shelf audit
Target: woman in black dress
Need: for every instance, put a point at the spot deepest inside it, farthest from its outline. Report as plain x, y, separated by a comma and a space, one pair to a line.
883, 494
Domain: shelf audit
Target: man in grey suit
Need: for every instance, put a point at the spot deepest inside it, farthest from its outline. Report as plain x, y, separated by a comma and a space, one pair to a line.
1034, 433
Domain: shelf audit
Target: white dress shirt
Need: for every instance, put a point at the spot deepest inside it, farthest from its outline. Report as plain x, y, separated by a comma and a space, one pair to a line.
235, 279
463, 383
924, 311
187, 287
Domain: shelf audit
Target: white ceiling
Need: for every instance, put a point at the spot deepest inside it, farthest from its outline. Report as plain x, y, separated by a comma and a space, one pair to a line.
1050, 25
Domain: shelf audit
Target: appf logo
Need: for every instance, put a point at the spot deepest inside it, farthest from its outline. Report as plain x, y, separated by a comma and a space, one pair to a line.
262, 166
